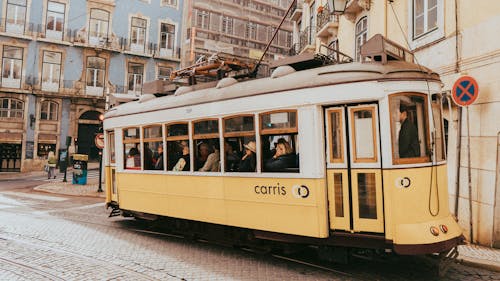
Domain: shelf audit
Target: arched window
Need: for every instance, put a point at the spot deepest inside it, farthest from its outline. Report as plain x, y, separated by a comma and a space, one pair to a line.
49, 110
361, 35
11, 108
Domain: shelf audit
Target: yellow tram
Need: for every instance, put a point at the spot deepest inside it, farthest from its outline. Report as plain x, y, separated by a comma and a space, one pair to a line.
366, 164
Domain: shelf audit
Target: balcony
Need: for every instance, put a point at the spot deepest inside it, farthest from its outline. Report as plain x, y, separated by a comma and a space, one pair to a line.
307, 39
297, 10
55, 36
17, 28
327, 24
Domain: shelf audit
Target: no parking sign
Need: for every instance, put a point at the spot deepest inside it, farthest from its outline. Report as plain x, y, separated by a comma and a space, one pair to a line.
465, 91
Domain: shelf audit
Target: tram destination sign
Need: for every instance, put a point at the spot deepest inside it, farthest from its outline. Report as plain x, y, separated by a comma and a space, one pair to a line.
465, 91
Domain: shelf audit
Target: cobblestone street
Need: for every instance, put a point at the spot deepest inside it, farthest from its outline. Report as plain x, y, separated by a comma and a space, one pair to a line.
45, 237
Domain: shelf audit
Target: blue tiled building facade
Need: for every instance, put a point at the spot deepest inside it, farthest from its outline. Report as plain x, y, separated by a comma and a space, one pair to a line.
60, 61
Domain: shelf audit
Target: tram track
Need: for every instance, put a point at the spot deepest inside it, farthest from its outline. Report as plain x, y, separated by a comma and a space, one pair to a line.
32, 269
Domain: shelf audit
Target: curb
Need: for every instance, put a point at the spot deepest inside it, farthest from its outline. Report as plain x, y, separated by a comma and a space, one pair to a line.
479, 263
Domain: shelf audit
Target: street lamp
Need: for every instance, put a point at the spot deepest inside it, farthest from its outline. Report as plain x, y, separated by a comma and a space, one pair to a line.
337, 7
99, 189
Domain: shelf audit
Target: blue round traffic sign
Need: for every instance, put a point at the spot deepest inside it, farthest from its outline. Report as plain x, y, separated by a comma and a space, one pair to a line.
465, 91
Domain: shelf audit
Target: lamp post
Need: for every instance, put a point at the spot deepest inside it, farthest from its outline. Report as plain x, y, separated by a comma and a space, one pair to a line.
99, 189
337, 7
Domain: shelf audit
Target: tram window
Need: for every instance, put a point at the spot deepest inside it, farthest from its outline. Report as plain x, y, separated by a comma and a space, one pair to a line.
131, 149
409, 128
153, 148
365, 149
178, 152
111, 147
207, 147
438, 135
280, 149
239, 144
336, 131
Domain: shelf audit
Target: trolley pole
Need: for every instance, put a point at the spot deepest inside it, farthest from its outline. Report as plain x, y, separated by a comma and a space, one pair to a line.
99, 189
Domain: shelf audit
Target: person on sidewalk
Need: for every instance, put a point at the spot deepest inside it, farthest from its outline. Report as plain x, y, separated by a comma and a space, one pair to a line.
51, 163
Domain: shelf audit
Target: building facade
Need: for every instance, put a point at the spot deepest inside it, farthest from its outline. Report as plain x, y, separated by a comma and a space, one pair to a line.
239, 28
447, 37
62, 59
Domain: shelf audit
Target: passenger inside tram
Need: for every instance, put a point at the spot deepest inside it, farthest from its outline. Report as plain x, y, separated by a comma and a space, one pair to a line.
284, 158
183, 162
133, 159
248, 161
231, 157
208, 157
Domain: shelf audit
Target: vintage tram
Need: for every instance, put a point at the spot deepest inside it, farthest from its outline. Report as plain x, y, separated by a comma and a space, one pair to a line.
366, 164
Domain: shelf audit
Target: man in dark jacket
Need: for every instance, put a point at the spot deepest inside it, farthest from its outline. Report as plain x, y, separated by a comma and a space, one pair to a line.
408, 135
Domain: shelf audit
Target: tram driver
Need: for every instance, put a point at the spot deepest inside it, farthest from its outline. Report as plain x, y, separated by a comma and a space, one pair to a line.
408, 135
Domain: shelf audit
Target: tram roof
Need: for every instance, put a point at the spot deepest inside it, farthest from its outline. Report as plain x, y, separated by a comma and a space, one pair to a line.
228, 88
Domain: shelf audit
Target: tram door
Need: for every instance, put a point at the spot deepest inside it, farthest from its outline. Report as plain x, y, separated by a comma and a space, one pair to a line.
354, 168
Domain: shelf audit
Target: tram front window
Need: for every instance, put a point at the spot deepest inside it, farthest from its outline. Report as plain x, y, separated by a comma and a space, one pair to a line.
409, 128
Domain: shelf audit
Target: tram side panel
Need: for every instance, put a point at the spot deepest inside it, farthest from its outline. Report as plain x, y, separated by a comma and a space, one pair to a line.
293, 206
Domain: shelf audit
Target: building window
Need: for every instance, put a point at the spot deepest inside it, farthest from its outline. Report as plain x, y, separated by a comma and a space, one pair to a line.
98, 29
48, 110
135, 73
138, 34
361, 36
425, 13
169, 2
55, 20
426, 22
96, 69
12, 64
164, 73
251, 31
227, 25
51, 71
11, 108
16, 16
202, 19
167, 38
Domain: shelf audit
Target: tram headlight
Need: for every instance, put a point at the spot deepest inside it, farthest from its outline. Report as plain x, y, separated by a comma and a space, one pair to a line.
444, 228
434, 230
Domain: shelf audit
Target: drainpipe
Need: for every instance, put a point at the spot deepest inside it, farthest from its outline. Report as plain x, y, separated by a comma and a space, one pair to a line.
457, 34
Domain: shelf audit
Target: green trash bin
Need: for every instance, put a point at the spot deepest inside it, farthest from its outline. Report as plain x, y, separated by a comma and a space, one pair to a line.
80, 168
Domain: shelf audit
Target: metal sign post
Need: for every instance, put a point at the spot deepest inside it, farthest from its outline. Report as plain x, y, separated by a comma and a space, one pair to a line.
465, 91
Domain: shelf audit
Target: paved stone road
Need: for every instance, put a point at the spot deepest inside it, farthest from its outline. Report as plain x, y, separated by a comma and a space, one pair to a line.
48, 237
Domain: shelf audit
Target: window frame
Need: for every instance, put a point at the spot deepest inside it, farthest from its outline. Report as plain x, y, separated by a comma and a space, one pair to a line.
50, 105
425, 38
169, 36
12, 111
93, 18
239, 134
137, 140
355, 158
425, 15
13, 61
362, 35
16, 19
135, 75
176, 139
135, 32
95, 71
50, 79
111, 147
342, 124
279, 131
411, 160
149, 140
55, 15
206, 135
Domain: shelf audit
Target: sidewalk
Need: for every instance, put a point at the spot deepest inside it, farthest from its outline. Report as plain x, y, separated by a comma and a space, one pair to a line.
472, 255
